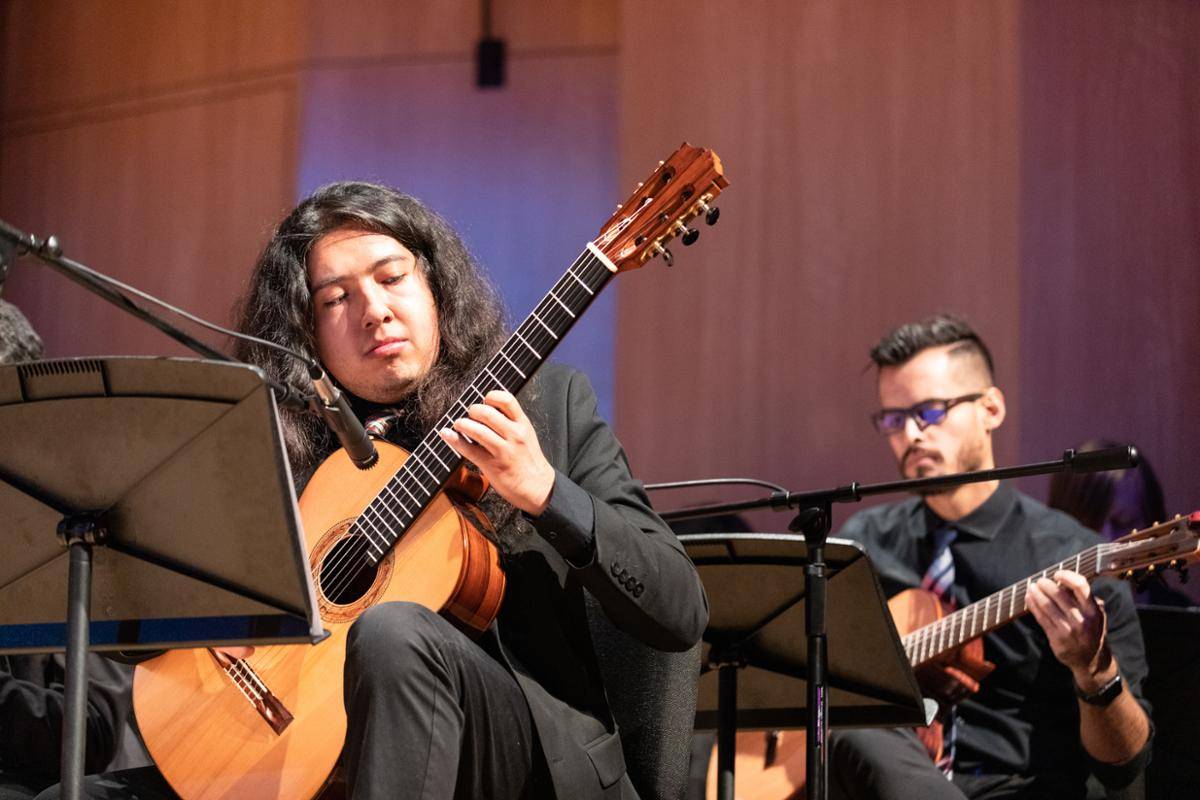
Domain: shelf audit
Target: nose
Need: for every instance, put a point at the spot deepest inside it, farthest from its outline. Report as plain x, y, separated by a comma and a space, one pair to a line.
376, 311
912, 431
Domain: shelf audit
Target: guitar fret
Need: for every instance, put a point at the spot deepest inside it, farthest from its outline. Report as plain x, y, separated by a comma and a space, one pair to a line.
414, 457
544, 325
580, 282
497, 380
561, 303
510, 361
517, 334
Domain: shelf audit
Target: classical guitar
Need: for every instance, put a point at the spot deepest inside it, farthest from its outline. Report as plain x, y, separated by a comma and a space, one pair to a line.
943, 643
271, 725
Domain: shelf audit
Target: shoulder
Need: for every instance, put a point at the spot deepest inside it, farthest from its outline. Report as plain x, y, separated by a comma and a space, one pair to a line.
558, 387
1055, 530
877, 522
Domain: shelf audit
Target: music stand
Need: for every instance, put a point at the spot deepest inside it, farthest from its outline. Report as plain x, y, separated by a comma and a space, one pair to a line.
166, 483
757, 625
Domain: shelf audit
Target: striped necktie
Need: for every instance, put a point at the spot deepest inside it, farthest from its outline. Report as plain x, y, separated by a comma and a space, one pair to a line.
939, 576
939, 579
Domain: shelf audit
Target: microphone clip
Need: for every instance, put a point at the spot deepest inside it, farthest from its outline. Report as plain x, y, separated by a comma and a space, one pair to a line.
331, 404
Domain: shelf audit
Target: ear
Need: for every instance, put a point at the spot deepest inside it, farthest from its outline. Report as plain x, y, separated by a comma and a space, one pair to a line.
994, 409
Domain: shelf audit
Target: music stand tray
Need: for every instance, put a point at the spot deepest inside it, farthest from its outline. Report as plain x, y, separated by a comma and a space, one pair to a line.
176, 520
755, 649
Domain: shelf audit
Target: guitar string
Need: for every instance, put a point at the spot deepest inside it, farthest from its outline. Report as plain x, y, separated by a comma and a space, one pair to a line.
355, 559
560, 307
352, 561
936, 638
355, 556
933, 640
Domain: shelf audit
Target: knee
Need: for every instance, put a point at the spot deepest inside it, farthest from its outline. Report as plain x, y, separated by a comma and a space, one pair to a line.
396, 636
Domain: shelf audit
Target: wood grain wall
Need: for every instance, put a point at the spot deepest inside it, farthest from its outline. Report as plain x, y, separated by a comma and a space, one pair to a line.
1029, 164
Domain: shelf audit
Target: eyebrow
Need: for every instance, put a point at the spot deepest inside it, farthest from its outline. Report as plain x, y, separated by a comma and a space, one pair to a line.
383, 262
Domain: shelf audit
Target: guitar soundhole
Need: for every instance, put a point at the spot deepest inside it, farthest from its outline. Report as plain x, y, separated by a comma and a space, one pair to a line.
346, 572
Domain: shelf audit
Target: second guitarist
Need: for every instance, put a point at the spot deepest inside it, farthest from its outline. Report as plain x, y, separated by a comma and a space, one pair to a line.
1065, 697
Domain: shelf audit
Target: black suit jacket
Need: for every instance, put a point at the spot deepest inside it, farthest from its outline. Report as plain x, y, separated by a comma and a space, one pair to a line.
637, 572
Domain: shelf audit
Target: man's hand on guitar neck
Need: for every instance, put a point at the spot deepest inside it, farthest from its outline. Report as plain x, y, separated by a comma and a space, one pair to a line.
498, 438
1075, 624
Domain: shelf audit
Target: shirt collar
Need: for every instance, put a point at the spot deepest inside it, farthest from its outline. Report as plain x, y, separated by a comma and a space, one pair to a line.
984, 522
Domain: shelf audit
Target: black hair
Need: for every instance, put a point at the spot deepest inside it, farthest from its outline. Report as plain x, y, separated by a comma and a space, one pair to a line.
1088, 496
278, 303
904, 342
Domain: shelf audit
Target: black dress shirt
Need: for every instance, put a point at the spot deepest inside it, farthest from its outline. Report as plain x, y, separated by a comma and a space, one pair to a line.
1025, 718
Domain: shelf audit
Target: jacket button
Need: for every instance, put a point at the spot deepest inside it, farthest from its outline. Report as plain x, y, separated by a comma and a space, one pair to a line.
616, 569
637, 590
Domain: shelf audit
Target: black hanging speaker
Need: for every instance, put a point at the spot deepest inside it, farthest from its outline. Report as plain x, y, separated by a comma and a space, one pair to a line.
489, 58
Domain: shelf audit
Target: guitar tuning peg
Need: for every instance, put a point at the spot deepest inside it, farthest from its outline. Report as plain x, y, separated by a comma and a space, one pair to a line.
690, 235
665, 253
711, 213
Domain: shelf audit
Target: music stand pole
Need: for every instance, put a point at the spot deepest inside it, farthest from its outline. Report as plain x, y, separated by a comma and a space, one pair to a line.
815, 521
77, 534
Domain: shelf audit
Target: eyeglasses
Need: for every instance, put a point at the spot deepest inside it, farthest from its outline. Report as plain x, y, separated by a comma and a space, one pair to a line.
928, 412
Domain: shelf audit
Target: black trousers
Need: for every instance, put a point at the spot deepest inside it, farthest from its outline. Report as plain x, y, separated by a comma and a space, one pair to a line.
892, 764
432, 715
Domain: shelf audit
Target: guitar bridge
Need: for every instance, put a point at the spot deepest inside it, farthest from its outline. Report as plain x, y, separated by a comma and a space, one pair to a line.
244, 677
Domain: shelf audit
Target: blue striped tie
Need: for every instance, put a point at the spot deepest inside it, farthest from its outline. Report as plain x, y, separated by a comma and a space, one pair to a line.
939, 578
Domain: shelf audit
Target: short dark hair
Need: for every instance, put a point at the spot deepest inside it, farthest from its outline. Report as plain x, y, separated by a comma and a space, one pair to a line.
904, 342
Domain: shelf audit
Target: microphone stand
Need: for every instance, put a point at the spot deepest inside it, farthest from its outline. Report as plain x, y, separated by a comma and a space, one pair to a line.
814, 521
49, 252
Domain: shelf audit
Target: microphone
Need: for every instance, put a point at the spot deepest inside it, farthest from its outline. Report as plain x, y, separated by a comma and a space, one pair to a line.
341, 420
1102, 460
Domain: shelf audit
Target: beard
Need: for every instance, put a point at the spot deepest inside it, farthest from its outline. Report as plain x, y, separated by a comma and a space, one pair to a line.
970, 458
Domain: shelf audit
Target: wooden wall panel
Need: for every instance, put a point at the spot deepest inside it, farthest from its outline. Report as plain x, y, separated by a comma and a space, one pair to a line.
175, 202
65, 57
873, 160
1110, 232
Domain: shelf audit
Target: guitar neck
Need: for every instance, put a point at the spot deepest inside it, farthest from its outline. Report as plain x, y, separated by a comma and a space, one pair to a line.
432, 462
970, 622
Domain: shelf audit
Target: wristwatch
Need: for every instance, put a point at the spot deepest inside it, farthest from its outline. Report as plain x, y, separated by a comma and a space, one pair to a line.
1102, 696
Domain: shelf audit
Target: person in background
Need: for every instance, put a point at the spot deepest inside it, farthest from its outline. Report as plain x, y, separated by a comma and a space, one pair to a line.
1114, 503
1065, 698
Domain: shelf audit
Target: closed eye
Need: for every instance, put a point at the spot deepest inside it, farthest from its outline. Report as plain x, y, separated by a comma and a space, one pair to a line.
333, 301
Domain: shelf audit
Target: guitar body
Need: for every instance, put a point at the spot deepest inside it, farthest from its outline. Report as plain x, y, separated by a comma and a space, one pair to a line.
784, 777
211, 739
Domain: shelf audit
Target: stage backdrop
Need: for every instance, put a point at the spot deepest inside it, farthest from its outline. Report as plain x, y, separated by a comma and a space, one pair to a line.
1031, 165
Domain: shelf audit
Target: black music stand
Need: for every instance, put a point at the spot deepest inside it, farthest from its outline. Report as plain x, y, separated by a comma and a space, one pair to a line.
166, 483
757, 626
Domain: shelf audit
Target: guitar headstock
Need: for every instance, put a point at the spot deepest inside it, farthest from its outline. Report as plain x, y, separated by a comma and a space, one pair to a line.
1175, 543
681, 189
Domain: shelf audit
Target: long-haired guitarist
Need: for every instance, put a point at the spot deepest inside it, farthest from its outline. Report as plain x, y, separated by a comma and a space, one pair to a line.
1064, 700
385, 294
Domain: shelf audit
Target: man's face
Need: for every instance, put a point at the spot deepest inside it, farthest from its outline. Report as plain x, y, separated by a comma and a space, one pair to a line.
961, 441
376, 321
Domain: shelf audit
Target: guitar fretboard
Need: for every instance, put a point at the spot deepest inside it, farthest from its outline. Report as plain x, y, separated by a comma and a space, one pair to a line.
432, 462
953, 630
